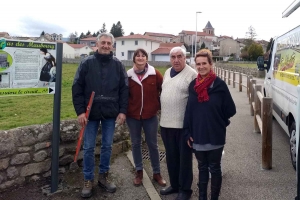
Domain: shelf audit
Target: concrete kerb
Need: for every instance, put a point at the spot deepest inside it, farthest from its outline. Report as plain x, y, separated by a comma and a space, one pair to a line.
146, 181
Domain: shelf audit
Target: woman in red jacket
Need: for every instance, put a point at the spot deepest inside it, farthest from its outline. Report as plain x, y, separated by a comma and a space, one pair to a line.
144, 91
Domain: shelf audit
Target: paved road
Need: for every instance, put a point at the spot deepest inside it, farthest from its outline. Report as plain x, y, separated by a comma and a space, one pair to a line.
243, 176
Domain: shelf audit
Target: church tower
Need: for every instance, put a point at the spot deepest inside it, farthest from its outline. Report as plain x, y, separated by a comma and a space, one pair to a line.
209, 29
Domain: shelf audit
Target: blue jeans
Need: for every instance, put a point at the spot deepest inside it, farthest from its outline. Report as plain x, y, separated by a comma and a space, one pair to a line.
90, 133
150, 127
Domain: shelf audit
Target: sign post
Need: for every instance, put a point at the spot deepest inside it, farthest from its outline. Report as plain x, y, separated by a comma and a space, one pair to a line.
56, 121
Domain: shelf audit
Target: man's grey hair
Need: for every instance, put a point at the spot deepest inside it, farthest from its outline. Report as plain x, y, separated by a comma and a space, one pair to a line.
106, 35
177, 49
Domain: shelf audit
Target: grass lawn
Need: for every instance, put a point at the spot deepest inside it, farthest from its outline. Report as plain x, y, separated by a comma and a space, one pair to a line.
250, 65
28, 110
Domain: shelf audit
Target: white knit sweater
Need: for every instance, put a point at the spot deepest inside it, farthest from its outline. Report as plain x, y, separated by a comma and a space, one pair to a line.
174, 97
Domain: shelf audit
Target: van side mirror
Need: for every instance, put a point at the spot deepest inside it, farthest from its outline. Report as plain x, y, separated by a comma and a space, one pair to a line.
260, 63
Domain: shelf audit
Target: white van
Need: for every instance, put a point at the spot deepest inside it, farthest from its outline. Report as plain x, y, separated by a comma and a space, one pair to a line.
281, 82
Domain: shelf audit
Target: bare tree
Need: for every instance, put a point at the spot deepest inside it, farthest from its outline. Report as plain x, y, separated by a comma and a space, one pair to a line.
251, 33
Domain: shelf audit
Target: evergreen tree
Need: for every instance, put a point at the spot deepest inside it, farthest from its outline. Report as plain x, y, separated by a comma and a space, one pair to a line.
43, 33
202, 46
88, 33
82, 35
94, 34
113, 30
119, 28
131, 33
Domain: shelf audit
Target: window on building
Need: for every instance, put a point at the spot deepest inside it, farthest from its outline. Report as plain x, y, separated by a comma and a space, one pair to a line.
122, 53
123, 42
136, 42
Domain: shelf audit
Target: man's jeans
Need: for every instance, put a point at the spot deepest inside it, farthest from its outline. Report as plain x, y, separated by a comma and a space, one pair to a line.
90, 133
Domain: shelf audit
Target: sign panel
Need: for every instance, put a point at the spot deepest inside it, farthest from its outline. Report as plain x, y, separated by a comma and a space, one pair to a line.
27, 67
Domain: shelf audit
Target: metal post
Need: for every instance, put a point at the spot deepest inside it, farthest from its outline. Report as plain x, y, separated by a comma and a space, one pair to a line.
56, 120
196, 34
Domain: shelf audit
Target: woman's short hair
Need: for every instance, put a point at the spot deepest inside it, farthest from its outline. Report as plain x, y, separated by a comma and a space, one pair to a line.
205, 53
176, 49
142, 51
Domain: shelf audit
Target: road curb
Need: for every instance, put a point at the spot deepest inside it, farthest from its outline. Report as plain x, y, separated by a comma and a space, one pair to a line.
147, 183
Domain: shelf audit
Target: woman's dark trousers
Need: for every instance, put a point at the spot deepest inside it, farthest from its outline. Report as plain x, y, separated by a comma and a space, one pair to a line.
209, 160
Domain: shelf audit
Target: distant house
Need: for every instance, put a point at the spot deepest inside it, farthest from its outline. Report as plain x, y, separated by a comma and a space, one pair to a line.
4, 35
126, 45
90, 41
81, 49
43, 38
164, 37
53, 36
230, 46
68, 51
162, 53
189, 37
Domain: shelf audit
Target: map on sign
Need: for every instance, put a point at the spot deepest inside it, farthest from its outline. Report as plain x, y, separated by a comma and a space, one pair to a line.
27, 67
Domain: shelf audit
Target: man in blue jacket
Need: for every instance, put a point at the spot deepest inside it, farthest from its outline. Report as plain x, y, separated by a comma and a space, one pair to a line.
106, 76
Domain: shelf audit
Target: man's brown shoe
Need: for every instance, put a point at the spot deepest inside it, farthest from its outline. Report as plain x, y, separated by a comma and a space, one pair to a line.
159, 180
87, 189
137, 181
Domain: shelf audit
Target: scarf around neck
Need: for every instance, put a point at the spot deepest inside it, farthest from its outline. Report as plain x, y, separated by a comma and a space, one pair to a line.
202, 84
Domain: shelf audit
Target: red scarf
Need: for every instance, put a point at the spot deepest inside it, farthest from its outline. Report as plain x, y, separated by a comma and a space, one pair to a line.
202, 84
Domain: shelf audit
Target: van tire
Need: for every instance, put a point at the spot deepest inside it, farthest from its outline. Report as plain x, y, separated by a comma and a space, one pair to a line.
293, 149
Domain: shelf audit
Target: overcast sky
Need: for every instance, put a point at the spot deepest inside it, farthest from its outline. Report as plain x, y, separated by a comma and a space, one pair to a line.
230, 17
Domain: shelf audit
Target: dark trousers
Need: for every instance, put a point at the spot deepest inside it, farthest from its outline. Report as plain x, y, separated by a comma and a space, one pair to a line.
179, 159
210, 160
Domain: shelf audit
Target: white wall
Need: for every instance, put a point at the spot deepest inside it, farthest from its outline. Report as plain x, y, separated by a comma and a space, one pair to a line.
129, 45
85, 50
68, 51
162, 58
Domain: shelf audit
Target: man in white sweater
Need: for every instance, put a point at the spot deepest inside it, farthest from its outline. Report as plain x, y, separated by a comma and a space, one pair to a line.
173, 103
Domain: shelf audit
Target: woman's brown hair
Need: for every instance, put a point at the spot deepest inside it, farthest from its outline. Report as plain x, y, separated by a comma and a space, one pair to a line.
139, 51
205, 53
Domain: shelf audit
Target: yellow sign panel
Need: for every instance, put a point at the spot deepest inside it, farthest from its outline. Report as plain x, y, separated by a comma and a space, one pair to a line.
25, 91
287, 66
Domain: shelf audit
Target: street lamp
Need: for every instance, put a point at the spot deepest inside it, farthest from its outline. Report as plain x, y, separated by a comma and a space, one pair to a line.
196, 33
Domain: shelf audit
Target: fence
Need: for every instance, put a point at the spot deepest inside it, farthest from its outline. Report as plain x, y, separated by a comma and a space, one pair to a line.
260, 108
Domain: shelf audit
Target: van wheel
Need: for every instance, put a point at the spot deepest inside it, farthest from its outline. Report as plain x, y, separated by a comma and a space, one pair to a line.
293, 148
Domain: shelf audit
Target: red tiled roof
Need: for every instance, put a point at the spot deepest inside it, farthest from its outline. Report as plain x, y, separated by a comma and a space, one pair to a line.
194, 32
89, 39
158, 34
77, 46
170, 44
162, 50
138, 36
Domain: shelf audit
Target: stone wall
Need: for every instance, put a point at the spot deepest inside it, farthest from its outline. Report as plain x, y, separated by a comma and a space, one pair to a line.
125, 62
244, 70
25, 152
